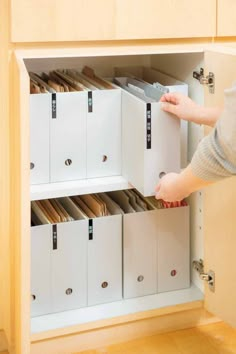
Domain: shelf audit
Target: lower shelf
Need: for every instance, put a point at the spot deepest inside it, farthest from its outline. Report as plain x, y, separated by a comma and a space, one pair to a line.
83, 319
85, 186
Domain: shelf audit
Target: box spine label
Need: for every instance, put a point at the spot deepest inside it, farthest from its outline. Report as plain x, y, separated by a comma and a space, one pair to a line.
54, 237
90, 101
90, 229
54, 106
149, 126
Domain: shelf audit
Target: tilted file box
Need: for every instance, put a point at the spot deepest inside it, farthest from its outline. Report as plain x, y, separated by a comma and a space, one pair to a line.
156, 77
68, 136
153, 76
173, 249
104, 133
69, 265
140, 254
151, 143
40, 114
41, 287
105, 260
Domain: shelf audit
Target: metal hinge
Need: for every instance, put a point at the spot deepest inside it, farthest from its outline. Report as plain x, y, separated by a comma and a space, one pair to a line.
205, 80
208, 277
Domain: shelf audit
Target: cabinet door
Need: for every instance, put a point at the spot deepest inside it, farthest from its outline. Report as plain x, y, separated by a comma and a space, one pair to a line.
220, 209
165, 19
226, 23
61, 20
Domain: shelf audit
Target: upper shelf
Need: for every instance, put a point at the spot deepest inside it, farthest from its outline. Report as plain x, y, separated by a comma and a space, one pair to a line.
79, 20
92, 185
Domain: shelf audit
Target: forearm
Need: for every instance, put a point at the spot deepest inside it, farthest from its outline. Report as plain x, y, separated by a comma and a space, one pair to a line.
175, 187
209, 115
190, 183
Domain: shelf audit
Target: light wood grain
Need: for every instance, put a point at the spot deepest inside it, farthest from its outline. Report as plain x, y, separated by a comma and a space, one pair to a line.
3, 341
20, 206
4, 173
115, 321
211, 339
79, 20
101, 336
165, 19
62, 20
226, 21
219, 209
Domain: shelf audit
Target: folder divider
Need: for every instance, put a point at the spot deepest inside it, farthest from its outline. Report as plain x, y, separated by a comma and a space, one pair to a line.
83, 206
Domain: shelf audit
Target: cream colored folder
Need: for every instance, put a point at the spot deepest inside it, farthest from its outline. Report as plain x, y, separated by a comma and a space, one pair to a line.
83, 206
73, 209
122, 200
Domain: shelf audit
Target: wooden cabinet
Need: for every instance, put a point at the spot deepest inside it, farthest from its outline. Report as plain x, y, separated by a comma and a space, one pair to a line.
33, 21
81, 20
165, 19
211, 217
226, 21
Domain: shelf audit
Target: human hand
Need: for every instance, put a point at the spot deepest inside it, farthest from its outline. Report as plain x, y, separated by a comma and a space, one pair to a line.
171, 188
185, 108
182, 107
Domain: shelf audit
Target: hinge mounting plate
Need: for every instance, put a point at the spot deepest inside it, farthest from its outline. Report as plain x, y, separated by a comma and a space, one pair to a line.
208, 277
208, 80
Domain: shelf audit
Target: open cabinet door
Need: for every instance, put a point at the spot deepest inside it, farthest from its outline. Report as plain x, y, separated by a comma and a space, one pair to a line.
20, 207
220, 208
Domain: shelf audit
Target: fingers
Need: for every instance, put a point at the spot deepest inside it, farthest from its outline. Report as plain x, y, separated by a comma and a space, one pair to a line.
171, 98
158, 191
170, 108
158, 187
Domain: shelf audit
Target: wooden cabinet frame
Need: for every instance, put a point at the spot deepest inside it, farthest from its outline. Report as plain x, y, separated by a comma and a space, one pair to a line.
190, 312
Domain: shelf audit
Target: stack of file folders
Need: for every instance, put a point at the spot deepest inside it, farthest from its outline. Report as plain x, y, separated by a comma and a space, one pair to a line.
84, 126
92, 249
75, 120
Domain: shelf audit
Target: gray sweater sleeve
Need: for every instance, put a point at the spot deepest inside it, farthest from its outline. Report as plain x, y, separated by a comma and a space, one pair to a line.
215, 157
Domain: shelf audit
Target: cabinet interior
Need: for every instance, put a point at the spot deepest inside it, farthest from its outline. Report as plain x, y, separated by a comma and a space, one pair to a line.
181, 67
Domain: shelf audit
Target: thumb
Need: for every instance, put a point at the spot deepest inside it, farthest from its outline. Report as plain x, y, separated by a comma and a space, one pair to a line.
168, 107
158, 187
158, 191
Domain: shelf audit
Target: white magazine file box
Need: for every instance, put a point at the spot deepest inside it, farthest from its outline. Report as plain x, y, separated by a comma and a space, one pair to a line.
40, 113
68, 137
104, 133
151, 143
105, 260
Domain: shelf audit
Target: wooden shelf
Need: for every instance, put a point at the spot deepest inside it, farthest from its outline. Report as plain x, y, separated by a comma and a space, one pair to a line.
88, 318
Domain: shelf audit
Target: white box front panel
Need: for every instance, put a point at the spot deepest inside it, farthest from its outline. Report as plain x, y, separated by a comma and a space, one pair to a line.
105, 261
104, 134
164, 154
140, 254
41, 245
40, 110
68, 137
173, 249
69, 266
142, 165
